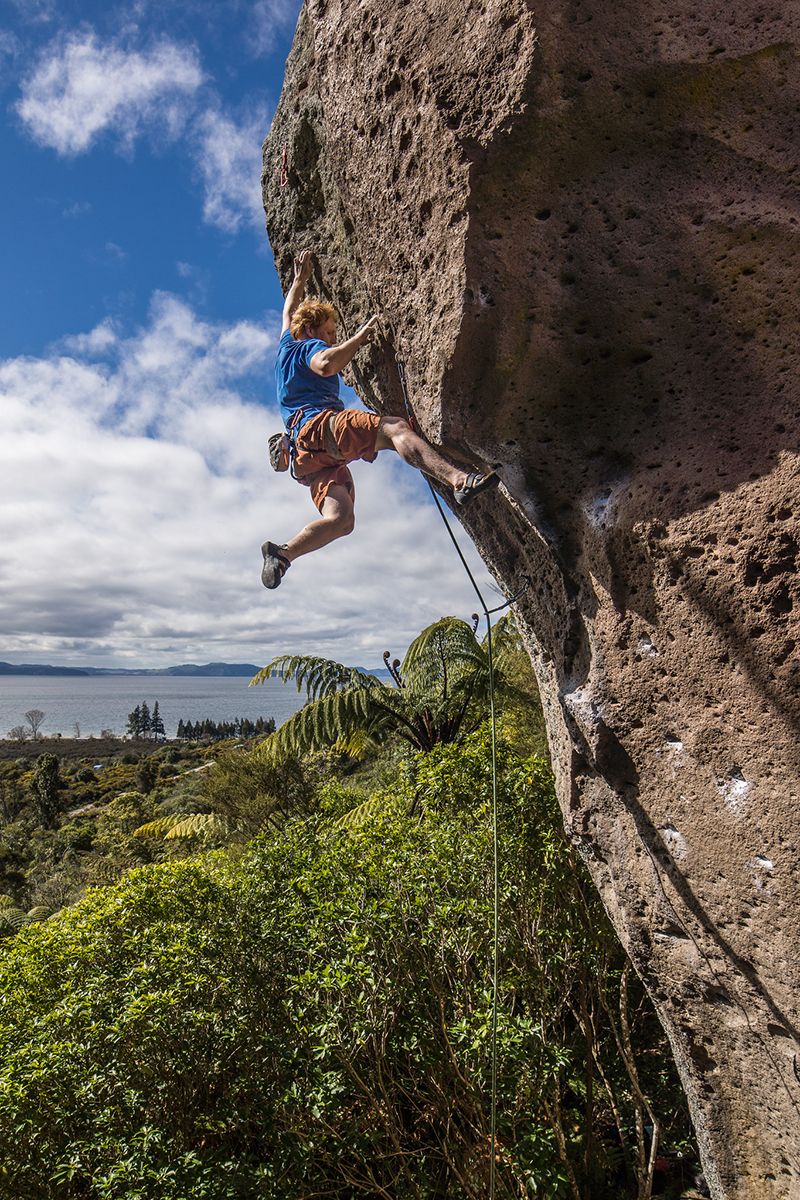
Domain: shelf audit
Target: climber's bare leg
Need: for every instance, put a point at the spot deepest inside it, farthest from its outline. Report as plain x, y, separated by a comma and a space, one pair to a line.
395, 433
337, 520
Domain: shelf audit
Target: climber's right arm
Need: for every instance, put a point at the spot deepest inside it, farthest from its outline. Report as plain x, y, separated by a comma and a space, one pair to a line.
303, 266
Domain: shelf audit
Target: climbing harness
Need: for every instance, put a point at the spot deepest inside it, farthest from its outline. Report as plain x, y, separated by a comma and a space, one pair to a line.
487, 612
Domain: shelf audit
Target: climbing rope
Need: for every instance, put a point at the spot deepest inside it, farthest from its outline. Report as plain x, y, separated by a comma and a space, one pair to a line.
495, 848
487, 612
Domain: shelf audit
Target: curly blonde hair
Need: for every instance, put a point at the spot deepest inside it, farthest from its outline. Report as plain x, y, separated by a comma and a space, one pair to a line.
312, 313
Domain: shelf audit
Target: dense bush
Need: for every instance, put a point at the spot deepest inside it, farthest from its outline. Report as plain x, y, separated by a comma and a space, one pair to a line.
314, 1018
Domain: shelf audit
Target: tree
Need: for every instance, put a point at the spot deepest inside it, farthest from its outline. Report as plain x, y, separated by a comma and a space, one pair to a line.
145, 722
34, 717
156, 724
11, 799
146, 776
135, 722
45, 786
247, 794
438, 693
19, 733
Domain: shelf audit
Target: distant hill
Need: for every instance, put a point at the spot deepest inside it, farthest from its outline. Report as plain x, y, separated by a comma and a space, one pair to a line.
38, 669
215, 668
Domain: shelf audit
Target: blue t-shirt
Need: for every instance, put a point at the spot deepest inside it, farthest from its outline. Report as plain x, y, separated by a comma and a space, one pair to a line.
298, 386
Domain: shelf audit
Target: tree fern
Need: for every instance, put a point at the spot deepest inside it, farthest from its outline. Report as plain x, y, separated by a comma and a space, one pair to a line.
442, 686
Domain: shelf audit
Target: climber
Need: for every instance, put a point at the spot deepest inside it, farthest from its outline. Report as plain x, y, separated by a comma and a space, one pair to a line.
324, 436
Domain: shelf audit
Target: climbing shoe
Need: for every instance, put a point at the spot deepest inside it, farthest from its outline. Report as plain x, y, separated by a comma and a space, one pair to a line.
275, 565
474, 484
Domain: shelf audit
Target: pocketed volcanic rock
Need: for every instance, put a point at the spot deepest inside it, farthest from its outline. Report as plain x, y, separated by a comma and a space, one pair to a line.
581, 233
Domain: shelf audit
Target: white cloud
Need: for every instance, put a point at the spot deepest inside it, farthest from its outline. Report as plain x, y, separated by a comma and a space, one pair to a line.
83, 87
95, 342
35, 11
229, 157
270, 18
135, 494
9, 48
112, 253
79, 208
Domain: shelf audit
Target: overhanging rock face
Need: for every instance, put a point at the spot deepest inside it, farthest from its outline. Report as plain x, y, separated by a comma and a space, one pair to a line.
583, 238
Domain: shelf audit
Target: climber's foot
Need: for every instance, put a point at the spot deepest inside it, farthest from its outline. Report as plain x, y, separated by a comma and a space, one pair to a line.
275, 566
473, 484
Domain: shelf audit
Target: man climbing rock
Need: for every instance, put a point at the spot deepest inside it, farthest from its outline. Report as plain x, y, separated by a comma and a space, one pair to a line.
326, 436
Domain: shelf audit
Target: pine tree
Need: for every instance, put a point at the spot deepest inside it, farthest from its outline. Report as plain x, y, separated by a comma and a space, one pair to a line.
135, 722
180, 732
146, 721
156, 724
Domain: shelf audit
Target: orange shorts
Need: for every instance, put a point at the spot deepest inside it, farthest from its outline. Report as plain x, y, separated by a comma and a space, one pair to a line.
327, 443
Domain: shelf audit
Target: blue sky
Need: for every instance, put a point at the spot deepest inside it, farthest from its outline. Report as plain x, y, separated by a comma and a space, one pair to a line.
138, 323
106, 200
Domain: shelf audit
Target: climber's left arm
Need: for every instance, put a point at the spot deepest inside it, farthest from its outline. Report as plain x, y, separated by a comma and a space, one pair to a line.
303, 266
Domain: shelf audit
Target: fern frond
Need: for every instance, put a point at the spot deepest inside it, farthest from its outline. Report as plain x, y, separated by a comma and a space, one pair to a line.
450, 632
319, 677
441, 659
361, 813
158, 828
358, 745
448, 647
7, 902
12, 919
324, 722
194, 824
40, 912
506, 640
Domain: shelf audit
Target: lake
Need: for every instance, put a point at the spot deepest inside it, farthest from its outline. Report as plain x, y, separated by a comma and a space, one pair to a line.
104, 701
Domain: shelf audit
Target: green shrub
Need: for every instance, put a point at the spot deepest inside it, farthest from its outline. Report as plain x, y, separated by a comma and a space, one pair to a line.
314, 1017
77, 835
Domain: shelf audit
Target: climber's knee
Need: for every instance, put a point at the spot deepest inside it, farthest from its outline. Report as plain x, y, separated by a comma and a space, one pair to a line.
338, 512
392, 431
